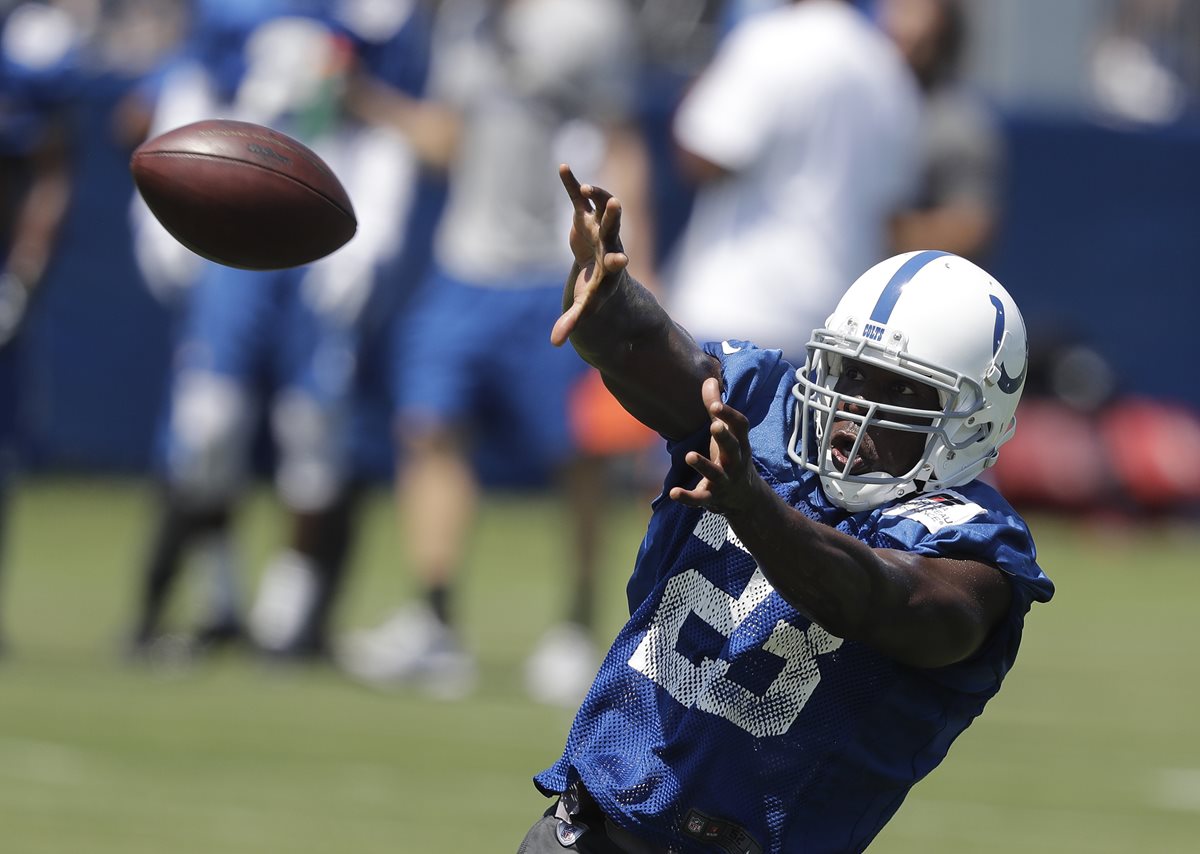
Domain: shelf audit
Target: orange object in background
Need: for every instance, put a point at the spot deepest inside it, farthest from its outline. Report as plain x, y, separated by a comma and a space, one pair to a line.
1154, 449
1136, 454
600, 425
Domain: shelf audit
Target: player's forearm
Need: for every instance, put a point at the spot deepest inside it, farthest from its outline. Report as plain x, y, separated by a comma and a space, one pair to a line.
37, 227
628, 318
430, 128
697, 169
875, 596
627, 165
964, 229
649, 363
828, 576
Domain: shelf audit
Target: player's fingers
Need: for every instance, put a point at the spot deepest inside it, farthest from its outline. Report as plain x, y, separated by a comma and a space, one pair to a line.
610, 224
735, 420
737, 426
705, 467
690, 497
565, 325
726, 441
573, 188
597, 196
614, 262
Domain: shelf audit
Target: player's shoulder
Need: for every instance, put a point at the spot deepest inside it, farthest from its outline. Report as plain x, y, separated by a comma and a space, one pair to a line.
944, 508
738, 351
972, 522
748, 371
972, 519
973, 503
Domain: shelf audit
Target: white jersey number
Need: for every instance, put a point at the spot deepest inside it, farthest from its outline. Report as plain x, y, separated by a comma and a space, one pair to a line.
705, 685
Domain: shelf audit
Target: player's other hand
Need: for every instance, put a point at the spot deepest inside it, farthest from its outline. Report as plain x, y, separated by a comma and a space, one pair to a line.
727, 475
596, 244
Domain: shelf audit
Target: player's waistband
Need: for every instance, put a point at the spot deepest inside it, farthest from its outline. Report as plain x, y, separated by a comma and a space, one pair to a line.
579, 814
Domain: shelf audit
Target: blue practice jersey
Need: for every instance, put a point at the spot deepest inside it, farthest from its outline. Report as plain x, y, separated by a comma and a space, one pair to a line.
723, 719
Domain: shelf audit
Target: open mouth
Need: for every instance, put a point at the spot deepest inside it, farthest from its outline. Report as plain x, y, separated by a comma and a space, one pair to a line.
841, 445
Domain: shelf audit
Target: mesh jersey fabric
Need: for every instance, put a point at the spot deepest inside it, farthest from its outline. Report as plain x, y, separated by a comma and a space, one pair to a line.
719, 699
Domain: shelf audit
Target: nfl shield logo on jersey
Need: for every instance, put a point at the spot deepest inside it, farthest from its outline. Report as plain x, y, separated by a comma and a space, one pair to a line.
568, 834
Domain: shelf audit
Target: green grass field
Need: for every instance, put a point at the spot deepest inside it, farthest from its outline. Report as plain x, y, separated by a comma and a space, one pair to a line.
1093, 746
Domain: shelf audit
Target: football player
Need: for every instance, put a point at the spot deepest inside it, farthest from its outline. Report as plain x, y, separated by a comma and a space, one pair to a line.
39, 47
512, 82
280, 346
827, 595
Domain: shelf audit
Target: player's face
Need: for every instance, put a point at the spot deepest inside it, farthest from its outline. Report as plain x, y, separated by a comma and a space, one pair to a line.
882, 450
914, 26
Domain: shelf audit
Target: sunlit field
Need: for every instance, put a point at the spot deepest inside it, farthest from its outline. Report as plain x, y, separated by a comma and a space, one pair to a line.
1093, 746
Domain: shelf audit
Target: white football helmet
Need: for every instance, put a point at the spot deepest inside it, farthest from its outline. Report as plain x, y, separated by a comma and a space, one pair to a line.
934, 318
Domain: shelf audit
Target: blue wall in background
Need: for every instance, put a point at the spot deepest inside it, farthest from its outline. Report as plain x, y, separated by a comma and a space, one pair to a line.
96, 349
1101, 238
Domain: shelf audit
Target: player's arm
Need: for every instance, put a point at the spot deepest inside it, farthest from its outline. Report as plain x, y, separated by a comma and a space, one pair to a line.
963, 227
431, 128
37, 223
922, 611
963, 211
42, 210
649, 363
698, 169
627, 165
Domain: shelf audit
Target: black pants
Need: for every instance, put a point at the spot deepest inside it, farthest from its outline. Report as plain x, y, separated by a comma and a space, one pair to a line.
554, 833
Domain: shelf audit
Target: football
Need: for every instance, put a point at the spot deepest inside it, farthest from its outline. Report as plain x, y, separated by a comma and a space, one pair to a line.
243, 195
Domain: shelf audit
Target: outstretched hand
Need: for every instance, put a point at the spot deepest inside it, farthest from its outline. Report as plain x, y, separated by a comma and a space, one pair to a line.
596, 244
727, 475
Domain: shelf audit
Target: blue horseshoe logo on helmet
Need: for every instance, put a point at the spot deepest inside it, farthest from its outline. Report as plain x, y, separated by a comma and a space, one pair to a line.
1007, 384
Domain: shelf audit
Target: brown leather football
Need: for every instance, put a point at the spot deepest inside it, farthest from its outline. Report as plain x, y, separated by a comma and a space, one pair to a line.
243, 195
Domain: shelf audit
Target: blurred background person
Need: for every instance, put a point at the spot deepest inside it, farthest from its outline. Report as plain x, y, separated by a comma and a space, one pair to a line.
802, 139
1076, 453
38, 54
1144, 66
734, 12
515, 87
279, 347
616, 455
957, 207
